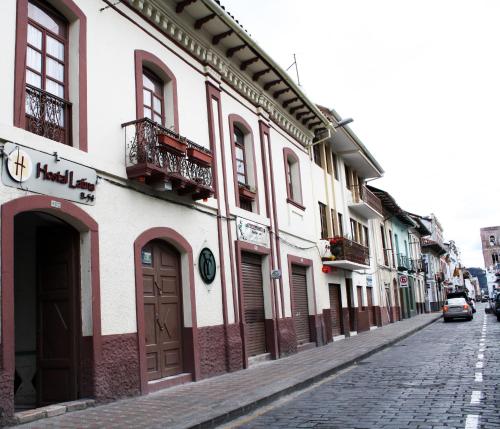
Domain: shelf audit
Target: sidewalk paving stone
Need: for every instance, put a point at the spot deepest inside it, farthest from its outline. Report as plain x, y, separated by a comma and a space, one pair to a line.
216, 400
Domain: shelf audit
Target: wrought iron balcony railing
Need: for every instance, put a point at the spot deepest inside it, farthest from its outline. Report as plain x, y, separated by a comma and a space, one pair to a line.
404, 263
154, 154
363, 194
342, 248
47, 115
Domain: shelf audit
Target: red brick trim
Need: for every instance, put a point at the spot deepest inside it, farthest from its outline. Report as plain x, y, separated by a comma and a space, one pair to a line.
271, 205
143, 58
213, 94
235, 119
191, 359
20, 66
82, 222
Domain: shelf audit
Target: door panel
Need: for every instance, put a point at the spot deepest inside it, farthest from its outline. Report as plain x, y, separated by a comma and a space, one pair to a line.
301, 307
57, 319
253, 296
162, 311
336, 309
371, 309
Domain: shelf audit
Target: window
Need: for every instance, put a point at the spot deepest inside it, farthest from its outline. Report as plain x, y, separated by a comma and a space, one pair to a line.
239, 144
335, 166
245, 179
328, 161
322, 218
392, 249
341, 226
348, 180
152, 90
332, 213
292, 176
317, 154
366, 236
47, 108
155, 91
384, 246
44, 72
354, 230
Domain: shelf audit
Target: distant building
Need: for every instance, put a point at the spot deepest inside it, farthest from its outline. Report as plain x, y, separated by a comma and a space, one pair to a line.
481, 276
490, 241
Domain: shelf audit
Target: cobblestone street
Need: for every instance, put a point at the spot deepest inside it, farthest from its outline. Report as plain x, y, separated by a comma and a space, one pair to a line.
447, 375
218, 399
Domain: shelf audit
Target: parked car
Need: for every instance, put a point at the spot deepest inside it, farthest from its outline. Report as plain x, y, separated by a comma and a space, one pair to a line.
457, 308
495, 307
490, 306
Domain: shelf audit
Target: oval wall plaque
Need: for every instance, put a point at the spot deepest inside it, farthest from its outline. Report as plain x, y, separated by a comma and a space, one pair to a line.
206, 265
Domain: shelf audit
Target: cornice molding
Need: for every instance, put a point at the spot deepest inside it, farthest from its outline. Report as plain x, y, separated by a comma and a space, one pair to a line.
207, 56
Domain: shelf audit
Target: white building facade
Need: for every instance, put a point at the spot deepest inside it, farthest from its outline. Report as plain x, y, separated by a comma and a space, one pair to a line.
168, 197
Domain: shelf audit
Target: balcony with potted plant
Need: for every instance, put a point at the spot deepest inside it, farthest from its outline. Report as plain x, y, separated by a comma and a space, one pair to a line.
162, 159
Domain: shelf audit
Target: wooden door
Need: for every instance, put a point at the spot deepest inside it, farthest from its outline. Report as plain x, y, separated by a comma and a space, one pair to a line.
253, 298
58, 327
359, 291
162, 310
350, 304
336, 309
300, 305
371, 309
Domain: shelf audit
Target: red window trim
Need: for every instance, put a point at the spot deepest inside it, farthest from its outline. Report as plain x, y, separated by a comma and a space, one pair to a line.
153, 63
243, 125
20, 67
289, 154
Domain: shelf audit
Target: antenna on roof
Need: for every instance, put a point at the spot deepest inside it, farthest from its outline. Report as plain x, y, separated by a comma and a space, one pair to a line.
296, 68
109, 5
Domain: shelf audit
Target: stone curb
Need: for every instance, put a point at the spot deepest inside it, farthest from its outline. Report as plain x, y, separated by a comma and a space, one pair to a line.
29, 416
246, 408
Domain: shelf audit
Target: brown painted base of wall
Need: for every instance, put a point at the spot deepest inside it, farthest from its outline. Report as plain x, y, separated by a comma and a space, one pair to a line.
363, 321
220, 350
396, 313
118, 374
287, 338
6, 398
384, 315
317, 327
327, 320
348, 315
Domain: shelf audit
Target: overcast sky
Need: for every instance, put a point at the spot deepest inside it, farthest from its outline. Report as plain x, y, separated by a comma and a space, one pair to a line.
421, 80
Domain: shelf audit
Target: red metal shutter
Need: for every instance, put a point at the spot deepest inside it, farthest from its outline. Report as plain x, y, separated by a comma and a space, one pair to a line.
301, 307
336, 309
253, 296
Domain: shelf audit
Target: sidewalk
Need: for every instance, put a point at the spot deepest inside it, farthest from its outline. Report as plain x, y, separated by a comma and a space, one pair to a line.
216, 400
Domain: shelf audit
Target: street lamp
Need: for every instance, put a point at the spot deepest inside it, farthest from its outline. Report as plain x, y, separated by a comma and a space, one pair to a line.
343, 122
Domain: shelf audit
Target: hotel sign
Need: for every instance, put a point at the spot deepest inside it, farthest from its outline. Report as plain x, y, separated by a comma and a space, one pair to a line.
39, 172
252, 232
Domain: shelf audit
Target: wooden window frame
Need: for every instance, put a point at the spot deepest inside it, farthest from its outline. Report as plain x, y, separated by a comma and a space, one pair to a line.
348, 177
341, 225
149, 61
323, 221
384, 245
316, 150
156, 80
293, 180
246, 195
241, 146
72, 13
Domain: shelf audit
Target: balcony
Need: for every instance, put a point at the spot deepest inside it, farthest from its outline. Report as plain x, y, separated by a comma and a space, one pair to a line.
404, 263
364, 202
166, 161
347, 254
47, 115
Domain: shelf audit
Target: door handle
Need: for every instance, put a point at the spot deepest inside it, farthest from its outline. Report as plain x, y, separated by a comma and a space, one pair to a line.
158, 322
157, 287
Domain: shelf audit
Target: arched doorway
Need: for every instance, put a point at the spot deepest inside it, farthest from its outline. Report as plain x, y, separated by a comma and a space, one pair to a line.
166, 309
46, 310
163, 316
42, 237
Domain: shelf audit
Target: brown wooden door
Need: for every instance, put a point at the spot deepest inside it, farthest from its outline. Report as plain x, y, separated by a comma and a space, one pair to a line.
300, 304
336, 309
371, 309
58, 327
162, 310
350, 304
253, 297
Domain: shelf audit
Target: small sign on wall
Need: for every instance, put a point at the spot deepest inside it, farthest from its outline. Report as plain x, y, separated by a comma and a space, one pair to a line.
403, 281
252, 232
